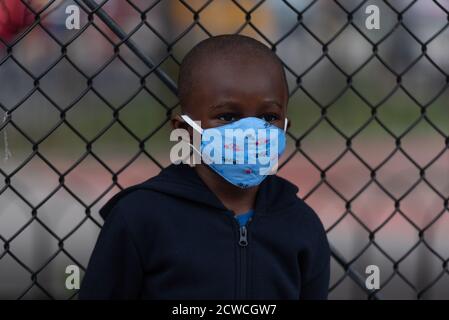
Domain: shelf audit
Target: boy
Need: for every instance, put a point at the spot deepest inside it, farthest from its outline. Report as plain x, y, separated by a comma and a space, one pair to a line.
207, 232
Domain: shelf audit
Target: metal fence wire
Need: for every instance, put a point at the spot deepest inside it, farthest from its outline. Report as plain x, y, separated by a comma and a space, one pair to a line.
120, 40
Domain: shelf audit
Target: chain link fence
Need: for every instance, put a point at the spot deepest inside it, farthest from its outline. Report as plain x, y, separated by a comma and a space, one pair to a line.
86, 111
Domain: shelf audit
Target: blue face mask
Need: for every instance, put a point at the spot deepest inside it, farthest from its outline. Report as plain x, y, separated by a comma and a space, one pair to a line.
243, 152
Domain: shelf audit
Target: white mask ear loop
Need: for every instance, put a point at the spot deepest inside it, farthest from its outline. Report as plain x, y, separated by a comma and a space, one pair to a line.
192, 123
285, 124
196, 127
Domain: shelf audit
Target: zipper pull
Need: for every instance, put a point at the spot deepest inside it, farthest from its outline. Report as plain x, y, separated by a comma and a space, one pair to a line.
243, 242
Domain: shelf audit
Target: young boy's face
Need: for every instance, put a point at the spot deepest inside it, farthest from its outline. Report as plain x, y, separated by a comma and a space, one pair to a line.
226, 90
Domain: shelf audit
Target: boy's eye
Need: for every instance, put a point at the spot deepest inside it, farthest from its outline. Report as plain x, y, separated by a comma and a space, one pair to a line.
269, 117
227, 117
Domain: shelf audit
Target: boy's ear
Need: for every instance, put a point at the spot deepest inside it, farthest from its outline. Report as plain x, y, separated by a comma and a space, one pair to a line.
177, 122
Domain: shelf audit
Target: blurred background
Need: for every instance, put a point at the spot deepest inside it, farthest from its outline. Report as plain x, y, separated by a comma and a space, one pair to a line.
82, 115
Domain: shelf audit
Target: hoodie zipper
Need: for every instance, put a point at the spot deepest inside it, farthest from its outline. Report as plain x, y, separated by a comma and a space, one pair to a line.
243, 248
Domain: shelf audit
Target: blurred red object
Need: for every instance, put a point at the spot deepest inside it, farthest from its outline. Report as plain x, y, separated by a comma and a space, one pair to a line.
14, 17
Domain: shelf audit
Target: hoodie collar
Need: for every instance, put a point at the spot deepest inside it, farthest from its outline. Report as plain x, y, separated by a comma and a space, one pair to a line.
182, 181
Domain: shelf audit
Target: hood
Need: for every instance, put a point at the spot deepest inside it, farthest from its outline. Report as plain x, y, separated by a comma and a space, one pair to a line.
182, 181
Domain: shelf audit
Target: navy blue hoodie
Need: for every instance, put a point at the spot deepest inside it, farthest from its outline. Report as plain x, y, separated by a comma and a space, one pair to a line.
171, 238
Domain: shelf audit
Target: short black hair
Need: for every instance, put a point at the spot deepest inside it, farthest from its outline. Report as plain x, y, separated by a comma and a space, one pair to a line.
224, 45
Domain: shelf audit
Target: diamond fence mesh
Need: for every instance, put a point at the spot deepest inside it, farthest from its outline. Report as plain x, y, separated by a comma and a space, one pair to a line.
86, 112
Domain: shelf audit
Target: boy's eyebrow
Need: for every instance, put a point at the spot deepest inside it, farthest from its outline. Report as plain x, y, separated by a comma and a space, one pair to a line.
236, 104
224, 104
273, 102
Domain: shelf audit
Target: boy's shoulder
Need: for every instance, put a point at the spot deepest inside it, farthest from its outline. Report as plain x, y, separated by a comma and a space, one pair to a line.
158, 192
287, 199
134, 198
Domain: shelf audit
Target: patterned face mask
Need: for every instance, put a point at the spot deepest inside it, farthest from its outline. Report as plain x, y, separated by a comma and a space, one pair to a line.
243, 152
